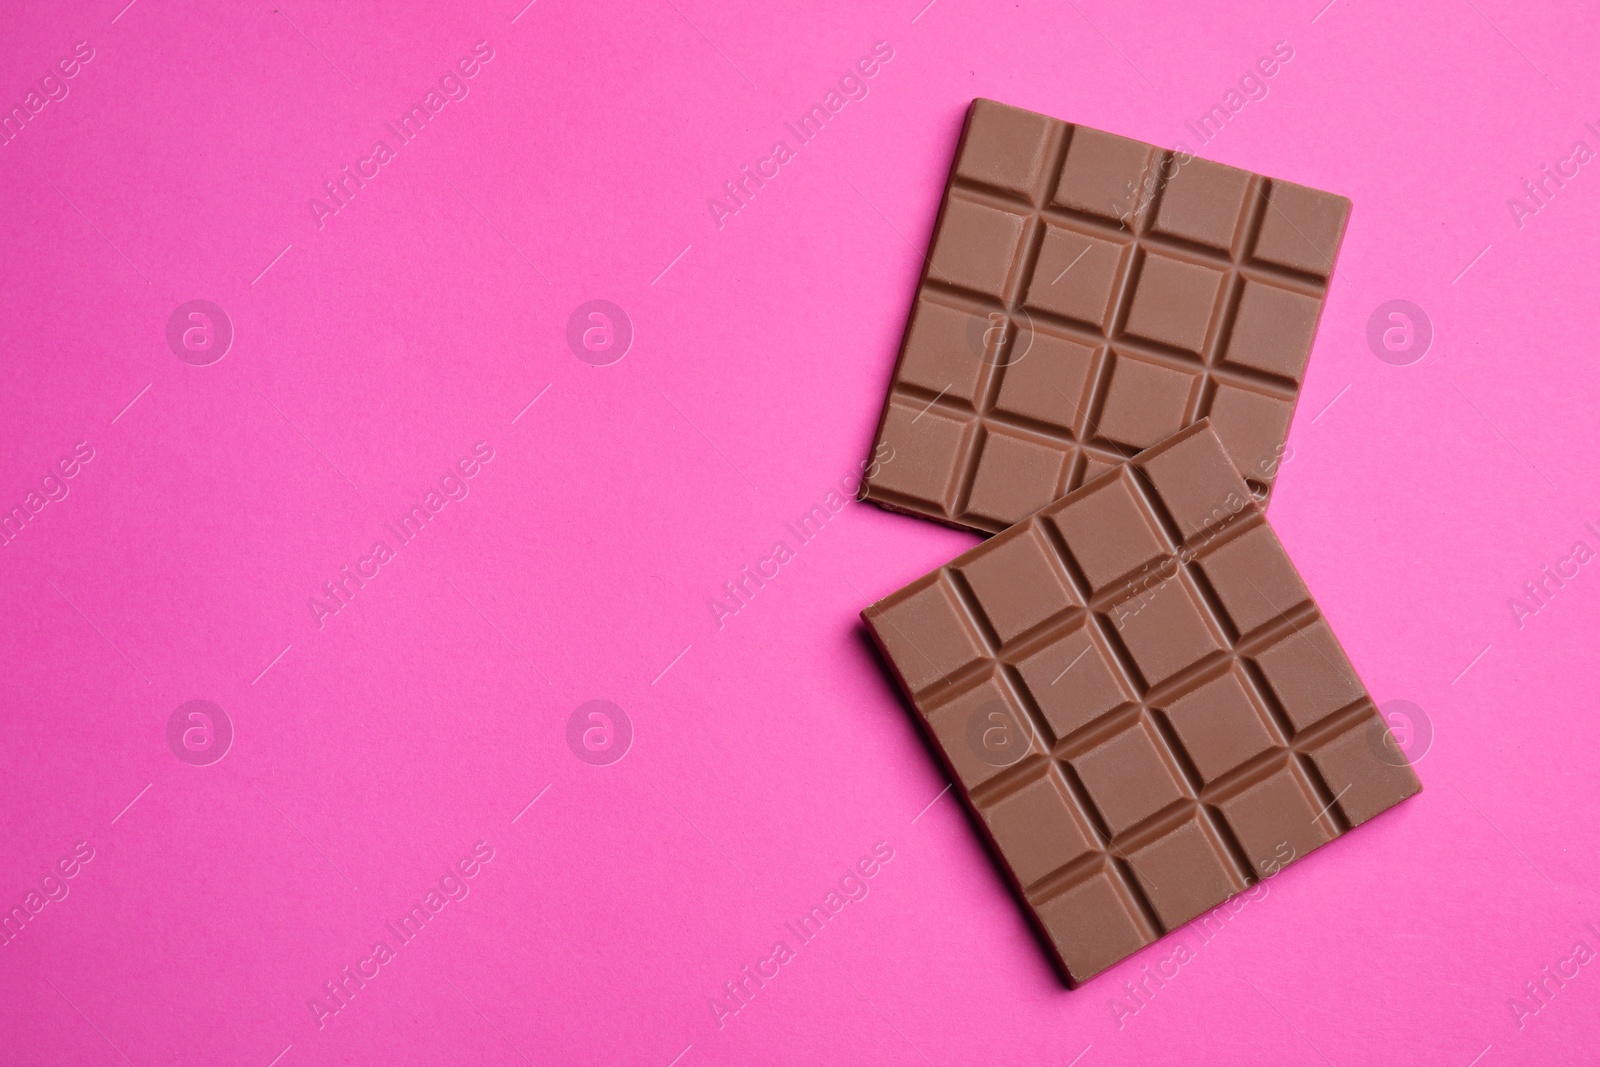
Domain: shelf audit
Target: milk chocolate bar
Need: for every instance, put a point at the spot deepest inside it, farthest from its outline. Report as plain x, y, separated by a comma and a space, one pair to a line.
1140, 701
1086, 296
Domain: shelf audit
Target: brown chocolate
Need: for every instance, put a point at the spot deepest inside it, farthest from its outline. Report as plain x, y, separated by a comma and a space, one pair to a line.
1140, 701
1085, 297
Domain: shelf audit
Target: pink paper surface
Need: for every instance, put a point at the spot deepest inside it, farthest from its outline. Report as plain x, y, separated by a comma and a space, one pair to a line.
424, 724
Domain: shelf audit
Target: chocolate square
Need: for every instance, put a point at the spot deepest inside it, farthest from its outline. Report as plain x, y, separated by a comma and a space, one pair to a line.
1182, 289
1184, 871
1137, 695
1073, 680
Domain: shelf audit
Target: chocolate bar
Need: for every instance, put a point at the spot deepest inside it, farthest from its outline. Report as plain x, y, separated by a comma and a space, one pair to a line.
1140, 701
1086, 296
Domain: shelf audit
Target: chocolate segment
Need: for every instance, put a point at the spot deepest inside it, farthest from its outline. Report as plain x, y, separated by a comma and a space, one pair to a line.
1140, 700
1086, 296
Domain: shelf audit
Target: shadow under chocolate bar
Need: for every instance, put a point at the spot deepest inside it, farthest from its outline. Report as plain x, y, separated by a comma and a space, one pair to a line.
1084, 297
1140, 701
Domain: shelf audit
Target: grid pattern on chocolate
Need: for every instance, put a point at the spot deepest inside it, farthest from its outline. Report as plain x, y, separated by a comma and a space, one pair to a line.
1141, 701
1085, 296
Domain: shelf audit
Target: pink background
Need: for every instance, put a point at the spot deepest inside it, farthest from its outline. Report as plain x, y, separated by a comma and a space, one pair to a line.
370, 354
